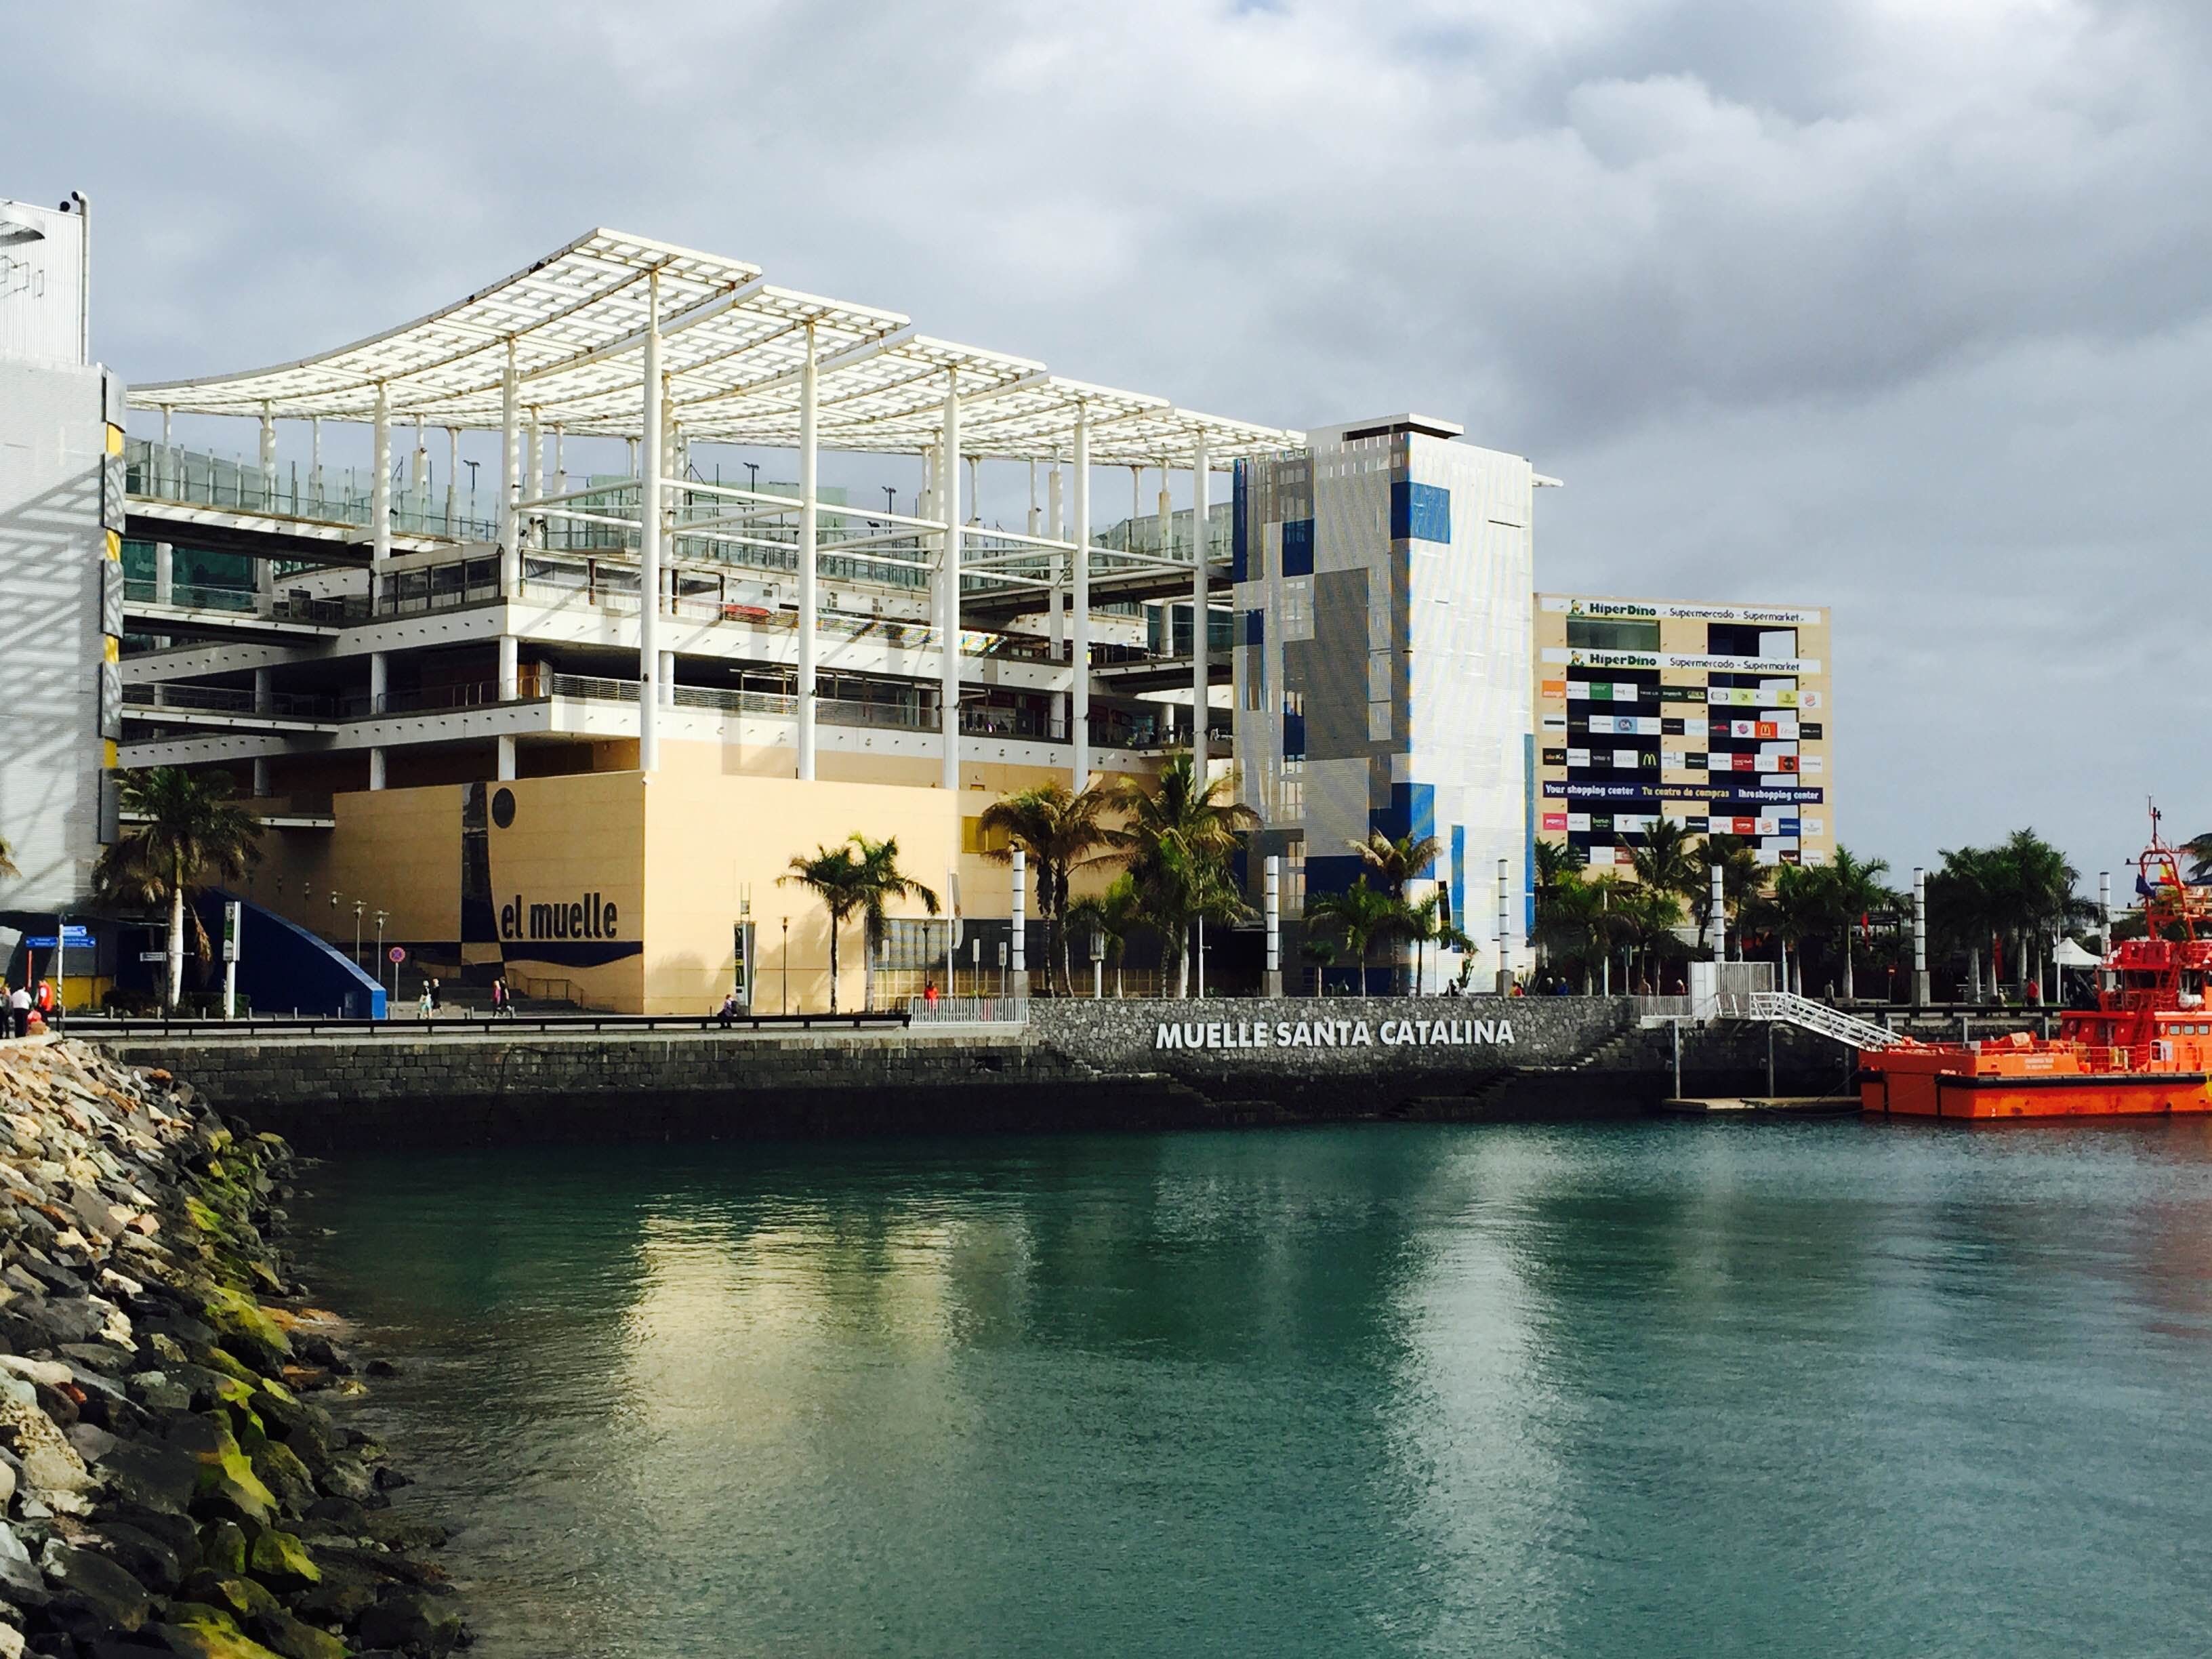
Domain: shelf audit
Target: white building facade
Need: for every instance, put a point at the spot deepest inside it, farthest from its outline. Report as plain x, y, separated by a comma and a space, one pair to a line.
1384, 581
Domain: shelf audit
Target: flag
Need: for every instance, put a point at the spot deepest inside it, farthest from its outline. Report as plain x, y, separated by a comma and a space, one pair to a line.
2143, 887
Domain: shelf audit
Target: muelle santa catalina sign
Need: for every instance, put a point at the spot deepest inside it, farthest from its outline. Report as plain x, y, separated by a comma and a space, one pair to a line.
1333, 1033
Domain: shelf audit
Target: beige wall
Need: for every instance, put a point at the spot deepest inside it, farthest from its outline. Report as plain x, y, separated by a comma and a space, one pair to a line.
682, 857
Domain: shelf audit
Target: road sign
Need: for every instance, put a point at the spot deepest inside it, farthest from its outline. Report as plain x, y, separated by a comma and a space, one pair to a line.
72, 935
396, 954
153, 956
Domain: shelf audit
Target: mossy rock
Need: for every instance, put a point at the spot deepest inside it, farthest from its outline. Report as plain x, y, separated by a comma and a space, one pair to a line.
283, 1473
279, 1558
233, 1594
240, 1318
227, 1479
222, 1360
203, 1216
222, 1547
198, 1632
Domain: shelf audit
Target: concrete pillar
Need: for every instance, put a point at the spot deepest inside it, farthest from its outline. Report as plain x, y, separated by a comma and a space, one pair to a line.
648, 558
809, 561
2104, 925
1504, 927
1018, 949
376, 693
510, 668
1719, 917
1079, 715
1271, 975
380, 494
452, 478
261, 689
314, 456
261, 777
1201, 484
1919, 937
510, 481
165, 573
506, 759
665, 682
948, 497
268, 457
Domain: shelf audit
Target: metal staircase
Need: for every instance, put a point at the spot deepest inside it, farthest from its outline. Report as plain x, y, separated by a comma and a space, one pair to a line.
1823, 1021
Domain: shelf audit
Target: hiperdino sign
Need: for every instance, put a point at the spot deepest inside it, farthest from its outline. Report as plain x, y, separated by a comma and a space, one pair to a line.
1333, 1033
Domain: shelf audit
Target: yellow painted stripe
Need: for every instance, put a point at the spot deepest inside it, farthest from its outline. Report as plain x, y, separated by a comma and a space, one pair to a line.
114, 647
115, 440
108, 757
115, 545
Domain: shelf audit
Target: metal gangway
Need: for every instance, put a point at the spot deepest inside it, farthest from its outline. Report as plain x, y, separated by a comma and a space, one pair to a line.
1786, 1007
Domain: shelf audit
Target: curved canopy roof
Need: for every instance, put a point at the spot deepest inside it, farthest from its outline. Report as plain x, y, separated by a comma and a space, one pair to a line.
731, 345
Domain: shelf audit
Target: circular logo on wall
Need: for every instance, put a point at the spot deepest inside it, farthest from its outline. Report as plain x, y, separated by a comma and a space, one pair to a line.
502, 807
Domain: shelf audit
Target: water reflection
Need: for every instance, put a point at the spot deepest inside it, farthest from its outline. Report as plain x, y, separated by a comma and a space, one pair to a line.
1599, 1390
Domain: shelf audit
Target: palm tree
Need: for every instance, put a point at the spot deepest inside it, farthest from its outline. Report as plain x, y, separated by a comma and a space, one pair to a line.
1429, 922
185, 832
879, 882
858, 875
1574, 918
1112, 915
1360, 916
1395, 863
1849, 887
1179, 835
1059, 829
1967, 905
2199, 849
2042, 883
1647, 917
1666, 860
1794, 909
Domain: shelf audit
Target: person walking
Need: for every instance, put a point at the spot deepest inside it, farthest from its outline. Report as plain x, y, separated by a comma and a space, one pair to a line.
501, 1006
729, 1010
19, 1010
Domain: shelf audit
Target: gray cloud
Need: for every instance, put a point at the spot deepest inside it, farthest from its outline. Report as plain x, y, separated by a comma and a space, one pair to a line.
1892, 306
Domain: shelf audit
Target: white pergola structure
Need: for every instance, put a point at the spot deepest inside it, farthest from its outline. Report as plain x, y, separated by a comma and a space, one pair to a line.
619, 336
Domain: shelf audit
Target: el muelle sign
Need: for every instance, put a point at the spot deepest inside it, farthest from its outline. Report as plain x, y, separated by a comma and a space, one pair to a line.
1241, 1034
592, 916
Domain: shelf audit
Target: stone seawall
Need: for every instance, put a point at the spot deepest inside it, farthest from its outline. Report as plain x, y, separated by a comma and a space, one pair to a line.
1080, 1064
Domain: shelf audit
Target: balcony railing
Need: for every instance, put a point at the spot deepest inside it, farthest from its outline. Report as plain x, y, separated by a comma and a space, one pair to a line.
160, 472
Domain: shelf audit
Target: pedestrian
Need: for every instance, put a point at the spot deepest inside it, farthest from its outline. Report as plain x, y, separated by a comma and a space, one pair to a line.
929, 992
426, 1004
501, 1005
729, 1010
19, 1009
49, 1007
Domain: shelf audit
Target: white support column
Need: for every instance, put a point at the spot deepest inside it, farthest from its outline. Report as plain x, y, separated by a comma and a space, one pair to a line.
1920, 935
268, 456
377, 682
510, 667
314, 452
418, 471
560, 462
453, 476
1201, 691
510, 483
533, 475
379, 495
648, 557
666, 683
1271, 976
948, 495
1719, 916
1018, 950
1080, 713
1505, 928
809, 561
165, 573
506, 768
165, 471
261, 777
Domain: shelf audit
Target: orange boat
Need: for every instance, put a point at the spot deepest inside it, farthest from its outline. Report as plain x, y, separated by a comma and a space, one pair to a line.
2144, 1048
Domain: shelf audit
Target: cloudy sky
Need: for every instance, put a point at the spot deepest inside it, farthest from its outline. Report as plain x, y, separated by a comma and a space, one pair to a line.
1894, 306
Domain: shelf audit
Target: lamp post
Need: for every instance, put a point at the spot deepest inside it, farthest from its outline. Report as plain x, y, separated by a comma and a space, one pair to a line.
786, 975
380, 950
357, 909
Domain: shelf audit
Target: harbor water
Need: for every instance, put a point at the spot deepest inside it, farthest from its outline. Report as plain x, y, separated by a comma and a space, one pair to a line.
1624, 1390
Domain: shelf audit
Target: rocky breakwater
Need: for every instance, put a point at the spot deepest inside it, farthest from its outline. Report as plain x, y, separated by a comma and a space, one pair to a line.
169, 1482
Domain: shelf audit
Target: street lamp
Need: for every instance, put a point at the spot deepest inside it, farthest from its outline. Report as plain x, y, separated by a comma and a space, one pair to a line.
380, 950
786, 965
358, 907
752, 475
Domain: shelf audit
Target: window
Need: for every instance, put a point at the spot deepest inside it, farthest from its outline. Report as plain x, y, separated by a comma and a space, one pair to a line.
1589, 634
1297, 608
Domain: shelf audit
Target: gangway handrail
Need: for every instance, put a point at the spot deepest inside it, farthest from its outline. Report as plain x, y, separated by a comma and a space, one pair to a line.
1818, 1018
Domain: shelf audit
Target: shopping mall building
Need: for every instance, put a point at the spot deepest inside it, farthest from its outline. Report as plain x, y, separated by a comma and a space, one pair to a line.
1717, 715
571, 725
